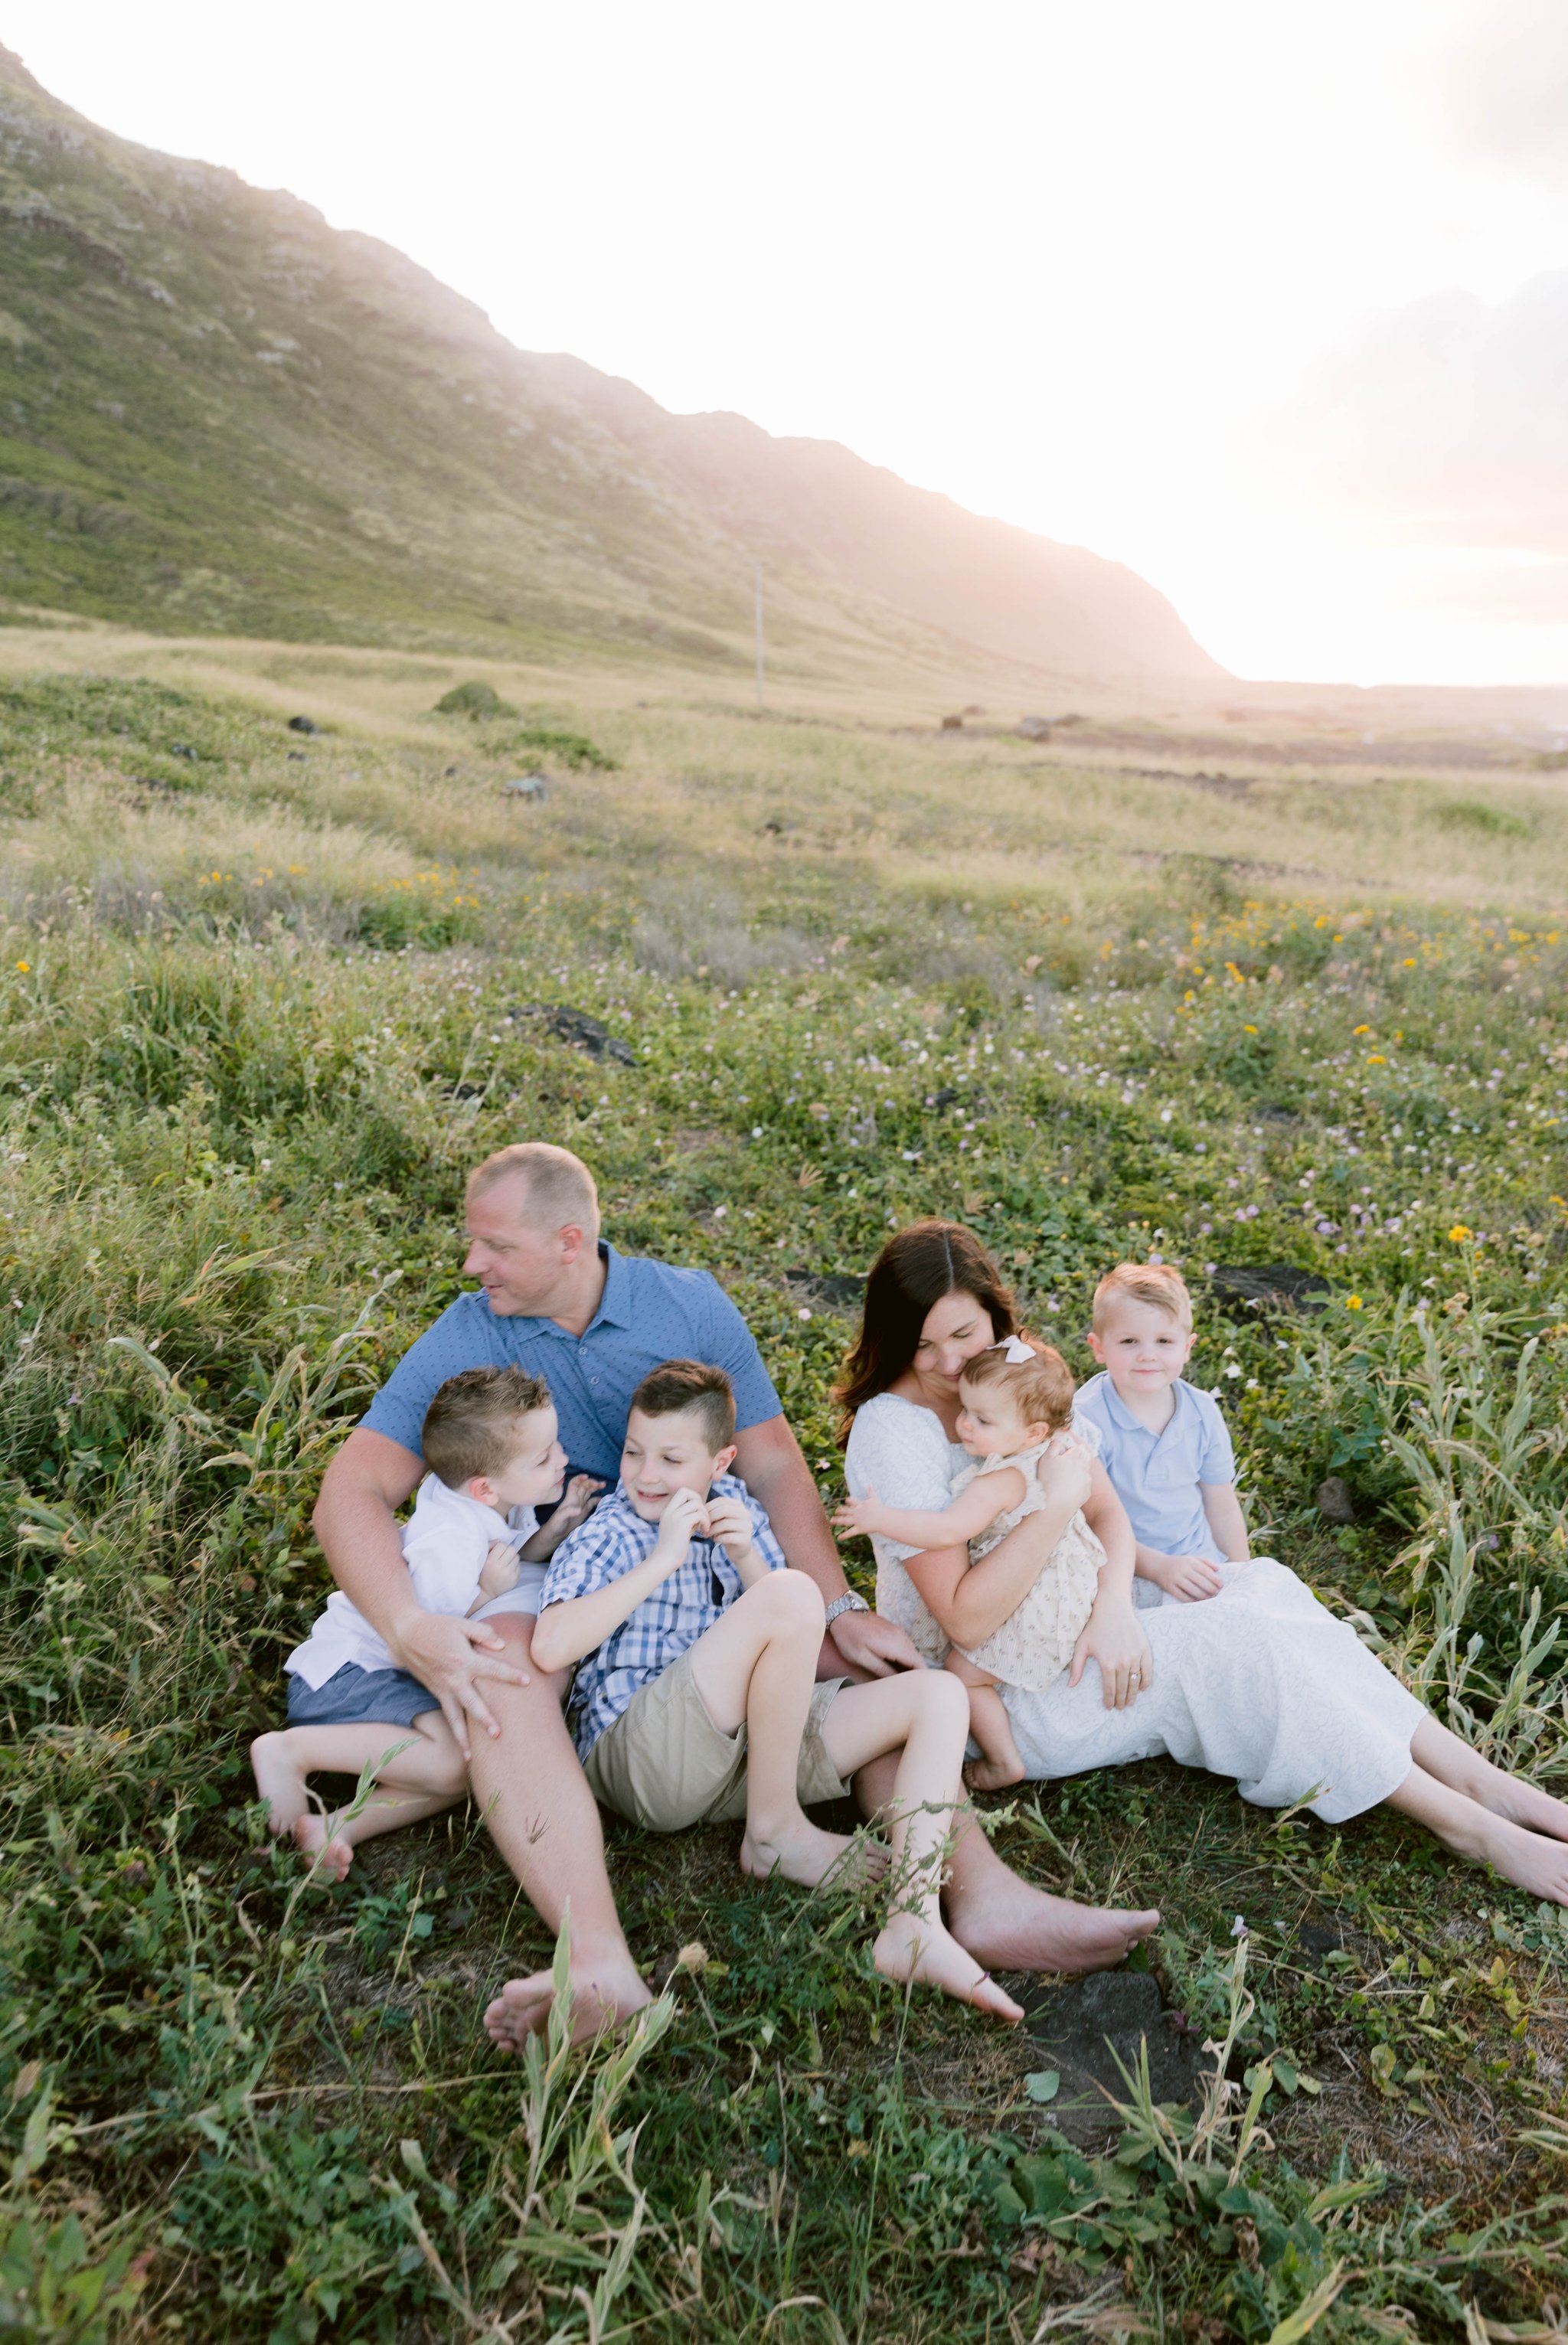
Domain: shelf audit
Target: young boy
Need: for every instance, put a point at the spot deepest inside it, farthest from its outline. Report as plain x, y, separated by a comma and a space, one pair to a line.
696, 1699
472, 1544
1163, 1443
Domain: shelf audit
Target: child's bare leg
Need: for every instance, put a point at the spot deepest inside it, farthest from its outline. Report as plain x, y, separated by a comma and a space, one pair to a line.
758, 1664
425, 1776
1530, 1860
990, 1725
923, 1714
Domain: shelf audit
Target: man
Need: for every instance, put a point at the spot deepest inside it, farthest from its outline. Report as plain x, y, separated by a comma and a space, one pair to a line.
556, 1301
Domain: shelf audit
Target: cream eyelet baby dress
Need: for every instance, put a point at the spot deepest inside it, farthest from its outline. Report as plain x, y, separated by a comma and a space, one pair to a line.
1034, 1644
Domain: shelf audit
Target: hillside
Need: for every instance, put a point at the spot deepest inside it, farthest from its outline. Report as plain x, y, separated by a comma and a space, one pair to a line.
219, 413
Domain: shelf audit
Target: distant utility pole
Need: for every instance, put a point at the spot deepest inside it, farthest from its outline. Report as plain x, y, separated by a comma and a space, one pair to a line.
758, 580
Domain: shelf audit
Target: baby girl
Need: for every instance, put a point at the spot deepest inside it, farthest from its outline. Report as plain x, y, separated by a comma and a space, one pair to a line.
1016, 1410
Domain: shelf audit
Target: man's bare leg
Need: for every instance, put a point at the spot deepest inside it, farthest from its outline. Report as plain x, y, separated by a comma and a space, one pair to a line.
1005, 1922
756, 1664
542, 1816
1530, 1860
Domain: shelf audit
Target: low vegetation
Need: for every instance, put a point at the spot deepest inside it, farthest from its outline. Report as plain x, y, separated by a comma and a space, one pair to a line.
263, 997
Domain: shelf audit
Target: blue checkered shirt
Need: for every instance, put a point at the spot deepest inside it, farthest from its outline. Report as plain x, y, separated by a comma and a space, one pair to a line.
613, 1540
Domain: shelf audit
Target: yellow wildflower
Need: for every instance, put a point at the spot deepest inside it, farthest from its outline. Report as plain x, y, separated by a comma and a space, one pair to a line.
1460, 1232
1352, 1303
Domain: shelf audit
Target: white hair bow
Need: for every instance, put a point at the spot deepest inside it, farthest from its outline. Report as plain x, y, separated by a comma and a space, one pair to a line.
1018, 1352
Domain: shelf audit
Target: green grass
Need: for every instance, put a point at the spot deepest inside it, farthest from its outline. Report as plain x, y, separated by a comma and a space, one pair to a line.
248, 1047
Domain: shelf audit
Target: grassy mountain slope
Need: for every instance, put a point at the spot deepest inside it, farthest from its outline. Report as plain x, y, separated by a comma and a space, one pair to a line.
219, 413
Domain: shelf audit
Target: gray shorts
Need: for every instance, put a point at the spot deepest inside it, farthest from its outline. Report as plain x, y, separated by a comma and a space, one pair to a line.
356, 1697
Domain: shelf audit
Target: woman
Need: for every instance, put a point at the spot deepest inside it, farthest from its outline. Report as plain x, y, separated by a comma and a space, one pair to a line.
1258, 1683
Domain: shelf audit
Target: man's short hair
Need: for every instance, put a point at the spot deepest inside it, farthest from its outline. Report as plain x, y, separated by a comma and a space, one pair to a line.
470, 1426
1144, 1281
557, 1187
679, 1387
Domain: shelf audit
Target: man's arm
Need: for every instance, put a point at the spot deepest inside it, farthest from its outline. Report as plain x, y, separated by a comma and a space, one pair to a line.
769, 1461
356, 1523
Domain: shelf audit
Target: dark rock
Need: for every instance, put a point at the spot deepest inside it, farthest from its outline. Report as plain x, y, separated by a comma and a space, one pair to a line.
184, 750
1334, 1501
826, 1290
1316, 1939
297, 757
1077, 2028
303, 724
1269, 1286
583, 1033
946, 1097
952, 724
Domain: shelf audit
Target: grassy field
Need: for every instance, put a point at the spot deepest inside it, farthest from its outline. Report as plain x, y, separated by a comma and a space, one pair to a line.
266, 995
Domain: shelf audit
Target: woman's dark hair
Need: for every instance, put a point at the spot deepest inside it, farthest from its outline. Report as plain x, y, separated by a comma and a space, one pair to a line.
915, 1269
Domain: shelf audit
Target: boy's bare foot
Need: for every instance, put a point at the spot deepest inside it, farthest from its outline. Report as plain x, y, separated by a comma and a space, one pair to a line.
606, 1992
280, 1783
330, 1854
1009, 1926
911, 1949
993, 1774
809, 1855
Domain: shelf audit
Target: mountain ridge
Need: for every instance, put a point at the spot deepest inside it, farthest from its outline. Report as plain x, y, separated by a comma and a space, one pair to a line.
217, 414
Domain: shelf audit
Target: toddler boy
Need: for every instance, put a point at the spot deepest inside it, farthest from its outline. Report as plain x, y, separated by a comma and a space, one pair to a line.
1163, 1442
472, 1544
696, 1699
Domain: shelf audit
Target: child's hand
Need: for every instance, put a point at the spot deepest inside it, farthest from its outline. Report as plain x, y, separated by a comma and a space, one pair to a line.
1189, 1578
860, 1516
730, 1525
500, 1568
685, 1517
577, 1503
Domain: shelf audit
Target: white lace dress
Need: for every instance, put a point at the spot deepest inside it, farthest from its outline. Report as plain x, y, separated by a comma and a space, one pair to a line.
1034, 1644
1259, 1682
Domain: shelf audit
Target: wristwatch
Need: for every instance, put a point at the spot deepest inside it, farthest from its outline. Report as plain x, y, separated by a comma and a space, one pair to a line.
847, 1602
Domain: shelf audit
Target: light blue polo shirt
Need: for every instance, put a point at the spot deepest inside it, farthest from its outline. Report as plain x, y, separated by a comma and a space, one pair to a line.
650, 1312
1157, 1474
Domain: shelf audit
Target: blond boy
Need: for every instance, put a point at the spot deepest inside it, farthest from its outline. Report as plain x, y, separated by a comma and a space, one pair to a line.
1163, 1441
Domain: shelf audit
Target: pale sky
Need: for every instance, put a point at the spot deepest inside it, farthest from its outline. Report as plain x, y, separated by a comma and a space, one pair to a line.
1271, 304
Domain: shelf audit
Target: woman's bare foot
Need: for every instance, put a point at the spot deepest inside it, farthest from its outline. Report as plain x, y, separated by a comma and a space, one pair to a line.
1524, 1804
911, 1949
606, 1992
1009, 1926
993, 1774
804, 1854
279, 1781
1528, 1859
330, 1854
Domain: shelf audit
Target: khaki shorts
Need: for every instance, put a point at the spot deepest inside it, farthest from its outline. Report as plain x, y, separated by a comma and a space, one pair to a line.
664, 1764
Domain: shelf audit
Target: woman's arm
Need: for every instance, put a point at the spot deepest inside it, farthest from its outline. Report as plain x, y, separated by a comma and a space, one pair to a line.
1113, 1636
973, 1511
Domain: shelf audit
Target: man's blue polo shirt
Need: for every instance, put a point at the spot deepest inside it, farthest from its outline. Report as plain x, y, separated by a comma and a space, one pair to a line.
650, 1312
